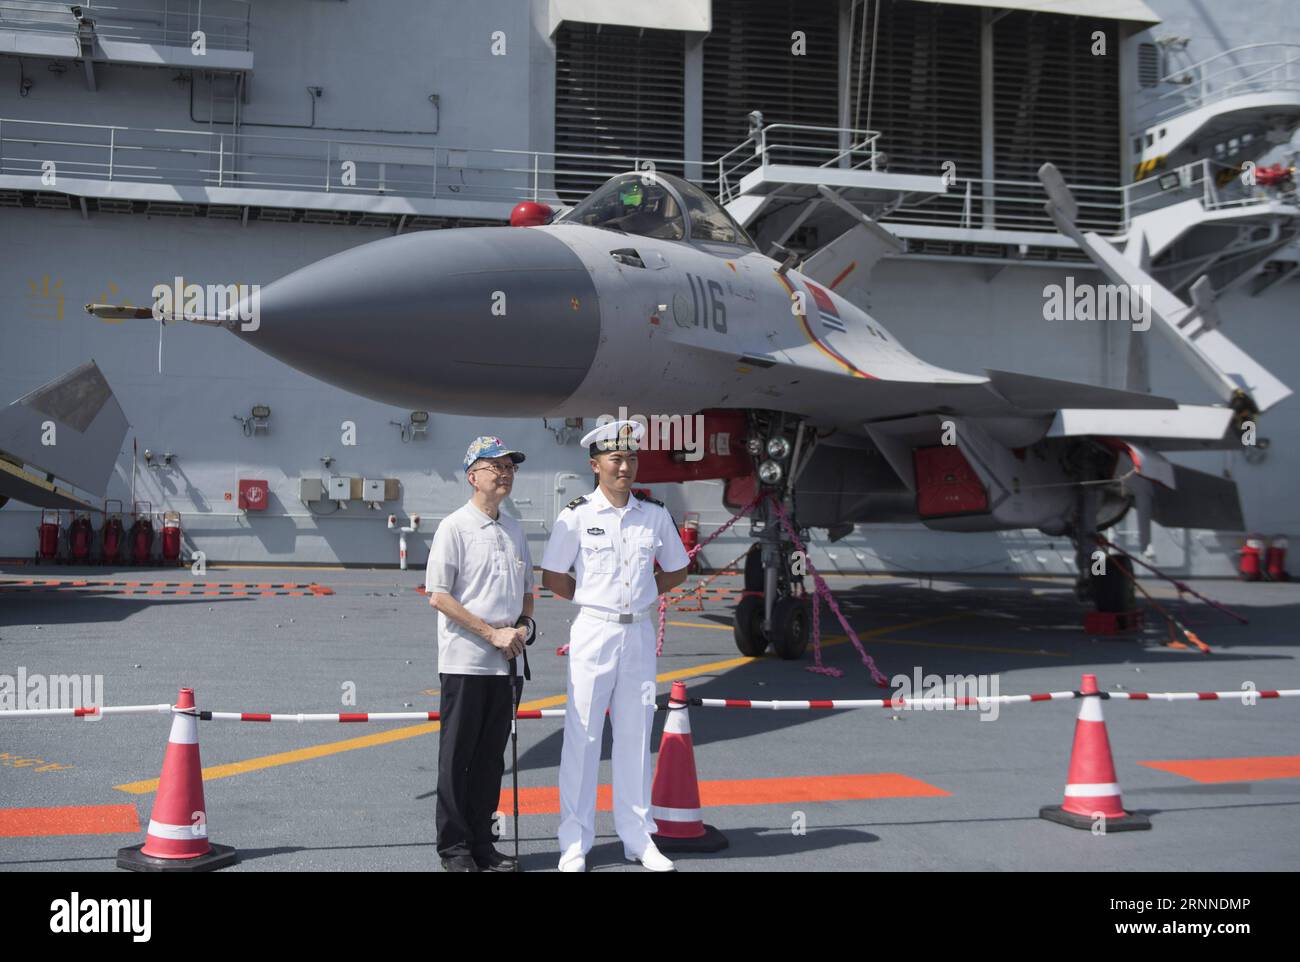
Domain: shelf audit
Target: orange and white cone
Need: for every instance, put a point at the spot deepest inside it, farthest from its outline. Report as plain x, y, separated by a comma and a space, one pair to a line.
177, 838
1092, 796
675, 797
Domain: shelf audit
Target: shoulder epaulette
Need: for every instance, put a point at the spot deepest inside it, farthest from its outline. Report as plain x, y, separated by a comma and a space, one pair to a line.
580, 499
646, 497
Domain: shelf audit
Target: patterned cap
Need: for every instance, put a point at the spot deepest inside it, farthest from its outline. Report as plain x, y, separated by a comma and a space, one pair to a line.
489, 447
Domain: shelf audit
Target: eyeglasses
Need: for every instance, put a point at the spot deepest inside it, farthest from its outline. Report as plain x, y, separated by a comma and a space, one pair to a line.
498, 469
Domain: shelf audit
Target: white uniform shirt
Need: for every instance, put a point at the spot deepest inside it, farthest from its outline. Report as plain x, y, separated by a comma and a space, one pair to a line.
484, 565
613, 550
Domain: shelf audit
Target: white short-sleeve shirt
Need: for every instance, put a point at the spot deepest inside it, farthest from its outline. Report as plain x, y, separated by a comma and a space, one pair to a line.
612, 551
485, 565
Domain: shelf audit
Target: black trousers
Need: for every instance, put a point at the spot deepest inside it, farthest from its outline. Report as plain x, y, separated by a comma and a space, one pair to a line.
472, 741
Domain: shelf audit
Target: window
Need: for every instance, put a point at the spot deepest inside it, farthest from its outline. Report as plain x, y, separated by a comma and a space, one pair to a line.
709, 222
626, 203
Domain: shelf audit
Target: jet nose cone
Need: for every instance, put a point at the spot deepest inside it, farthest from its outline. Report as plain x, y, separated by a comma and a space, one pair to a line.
482, 320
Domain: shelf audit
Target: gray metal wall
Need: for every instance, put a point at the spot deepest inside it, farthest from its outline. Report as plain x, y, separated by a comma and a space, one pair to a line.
377, 73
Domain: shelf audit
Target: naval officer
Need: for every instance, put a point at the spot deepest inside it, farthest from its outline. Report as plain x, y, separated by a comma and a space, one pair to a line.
611, 539
480, 579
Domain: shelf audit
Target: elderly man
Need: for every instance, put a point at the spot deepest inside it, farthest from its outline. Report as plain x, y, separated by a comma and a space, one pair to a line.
480, 579
612, 540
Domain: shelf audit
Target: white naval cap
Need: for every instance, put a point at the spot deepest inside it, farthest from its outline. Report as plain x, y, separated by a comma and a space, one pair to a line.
614, 436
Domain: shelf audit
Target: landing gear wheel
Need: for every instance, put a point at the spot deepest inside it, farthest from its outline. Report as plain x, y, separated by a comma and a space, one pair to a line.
748, 627
791, 627
1113, 591
754, 568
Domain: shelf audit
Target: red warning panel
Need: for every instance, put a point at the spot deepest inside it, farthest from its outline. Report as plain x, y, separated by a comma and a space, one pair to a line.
708, 445
253, 495
946, 484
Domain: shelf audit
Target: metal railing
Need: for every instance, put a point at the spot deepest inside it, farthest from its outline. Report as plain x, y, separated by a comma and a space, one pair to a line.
505, 176
1250, 68
257, 161
1216, 185
1011, 205
225, 23
793, 143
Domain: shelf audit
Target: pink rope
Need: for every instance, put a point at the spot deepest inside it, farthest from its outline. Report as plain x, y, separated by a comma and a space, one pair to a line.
821, 593
690, 556
824, 593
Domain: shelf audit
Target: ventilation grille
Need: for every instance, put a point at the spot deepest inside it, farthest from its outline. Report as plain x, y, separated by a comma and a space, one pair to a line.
1054, 100
750, 64
618, 91
1148, 64
924, 93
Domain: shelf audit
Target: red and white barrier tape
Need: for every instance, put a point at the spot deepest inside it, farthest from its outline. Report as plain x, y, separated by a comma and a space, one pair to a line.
836, 704
85, 712
933, 702
350, 717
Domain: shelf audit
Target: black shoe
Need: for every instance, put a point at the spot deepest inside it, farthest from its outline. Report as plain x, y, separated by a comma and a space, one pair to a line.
459, 863
494, 861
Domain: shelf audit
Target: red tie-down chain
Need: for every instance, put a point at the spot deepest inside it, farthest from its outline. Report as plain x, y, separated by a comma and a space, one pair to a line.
821, 592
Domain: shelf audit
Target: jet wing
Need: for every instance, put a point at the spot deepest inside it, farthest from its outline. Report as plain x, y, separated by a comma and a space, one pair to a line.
1031, 393
1189, 427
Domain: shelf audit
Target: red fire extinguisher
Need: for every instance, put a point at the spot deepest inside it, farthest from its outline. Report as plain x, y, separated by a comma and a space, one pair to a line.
171, 537
80, 536
1275, 560
690, 534
47, 536
1252, 554
111, 535
142, 535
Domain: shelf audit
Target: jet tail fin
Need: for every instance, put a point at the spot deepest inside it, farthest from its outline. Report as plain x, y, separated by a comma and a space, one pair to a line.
1192, 329
70, 428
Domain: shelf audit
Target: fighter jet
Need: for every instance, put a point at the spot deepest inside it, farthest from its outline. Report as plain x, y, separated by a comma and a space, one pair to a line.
648, 295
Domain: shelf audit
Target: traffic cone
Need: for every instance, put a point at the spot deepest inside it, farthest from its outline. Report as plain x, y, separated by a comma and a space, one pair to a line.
675, 797
1092, 795
177, 838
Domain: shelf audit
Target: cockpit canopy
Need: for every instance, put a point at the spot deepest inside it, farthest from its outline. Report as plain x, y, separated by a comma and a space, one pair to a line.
658, 205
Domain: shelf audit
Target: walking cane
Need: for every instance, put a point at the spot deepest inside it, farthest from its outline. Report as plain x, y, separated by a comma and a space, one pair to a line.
518, 689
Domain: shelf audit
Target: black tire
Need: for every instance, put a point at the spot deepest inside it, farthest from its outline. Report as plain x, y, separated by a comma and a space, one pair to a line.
791, 627
748, 627
754, 568
1113, 591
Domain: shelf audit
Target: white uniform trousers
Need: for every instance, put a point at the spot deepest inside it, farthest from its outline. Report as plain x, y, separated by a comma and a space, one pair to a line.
611, 666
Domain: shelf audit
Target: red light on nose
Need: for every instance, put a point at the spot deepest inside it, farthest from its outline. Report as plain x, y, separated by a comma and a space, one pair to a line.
530, 213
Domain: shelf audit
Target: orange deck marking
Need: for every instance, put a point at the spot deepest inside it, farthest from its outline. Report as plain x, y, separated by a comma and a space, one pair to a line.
68, 820
753, 791
1231, 769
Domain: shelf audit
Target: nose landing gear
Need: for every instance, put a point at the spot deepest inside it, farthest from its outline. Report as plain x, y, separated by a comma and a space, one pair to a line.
780, 617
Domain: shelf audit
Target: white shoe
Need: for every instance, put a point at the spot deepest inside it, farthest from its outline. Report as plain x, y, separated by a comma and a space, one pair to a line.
651, 858
573, 860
